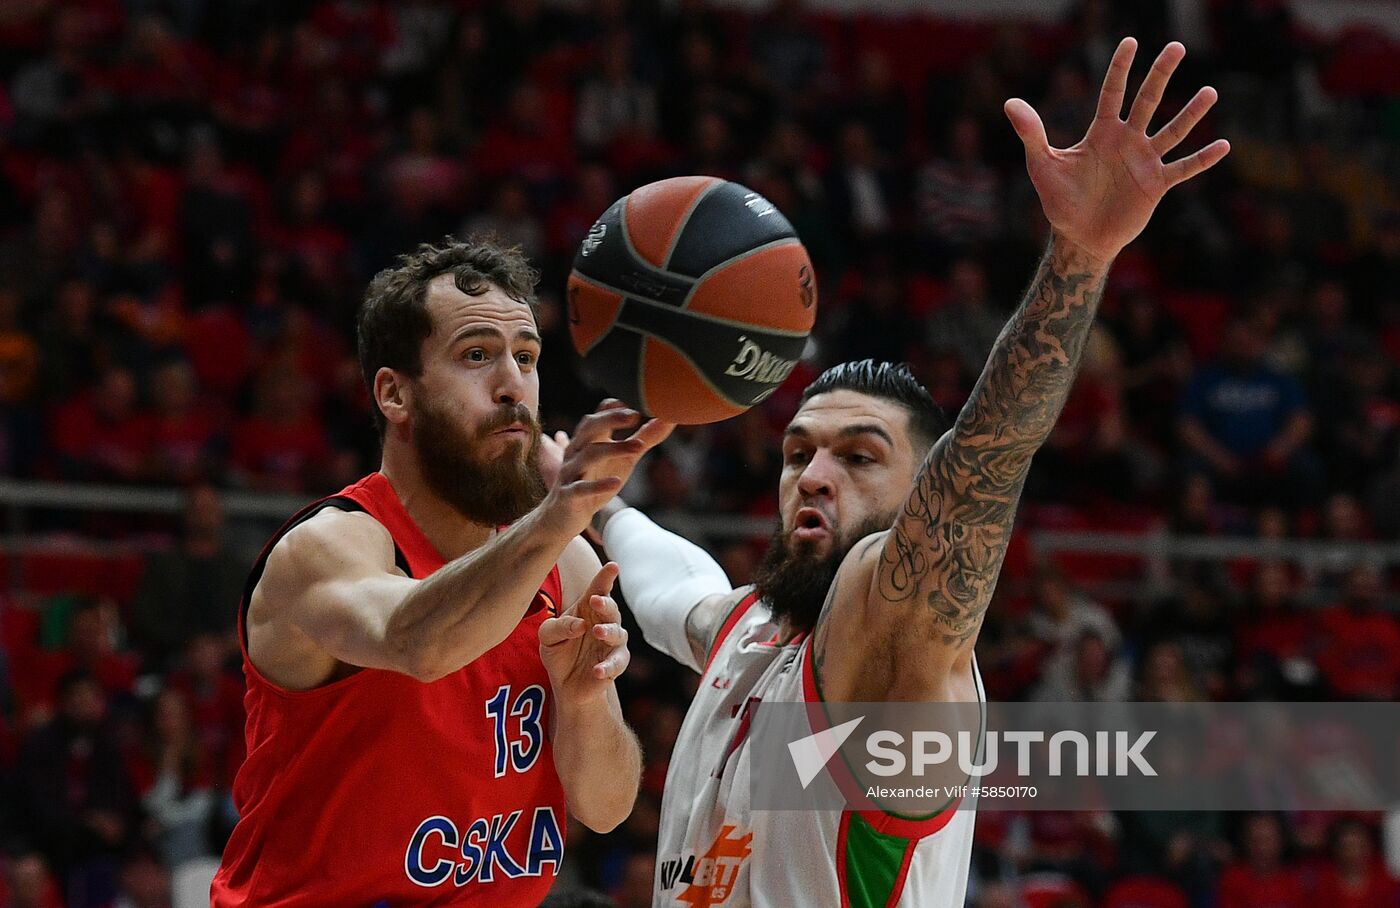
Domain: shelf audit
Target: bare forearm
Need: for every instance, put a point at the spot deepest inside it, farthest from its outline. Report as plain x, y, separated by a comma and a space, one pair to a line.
599, 761
473, 603
946, 549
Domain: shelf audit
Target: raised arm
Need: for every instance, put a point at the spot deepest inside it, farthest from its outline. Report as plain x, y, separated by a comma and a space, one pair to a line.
907, 608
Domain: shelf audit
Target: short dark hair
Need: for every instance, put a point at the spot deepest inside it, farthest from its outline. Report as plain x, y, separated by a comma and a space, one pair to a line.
393, 320
888, 381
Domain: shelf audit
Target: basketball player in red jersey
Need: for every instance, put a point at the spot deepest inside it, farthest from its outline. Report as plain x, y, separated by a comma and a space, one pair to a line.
420, 712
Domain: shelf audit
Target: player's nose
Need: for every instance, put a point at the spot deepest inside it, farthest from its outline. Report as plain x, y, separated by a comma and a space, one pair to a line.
510, 382
819, 478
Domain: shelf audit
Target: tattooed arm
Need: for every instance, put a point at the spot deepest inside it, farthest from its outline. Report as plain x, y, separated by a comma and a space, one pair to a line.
907, 607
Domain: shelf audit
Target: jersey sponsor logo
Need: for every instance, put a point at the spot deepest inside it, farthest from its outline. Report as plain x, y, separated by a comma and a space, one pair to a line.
439, 852
708, 878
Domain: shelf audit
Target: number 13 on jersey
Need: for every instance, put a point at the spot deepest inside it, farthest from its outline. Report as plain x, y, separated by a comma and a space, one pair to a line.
519, 733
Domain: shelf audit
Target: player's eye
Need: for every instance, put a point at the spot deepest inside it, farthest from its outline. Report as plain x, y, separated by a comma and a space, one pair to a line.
859, 460
797, 457
525, 358
475, 355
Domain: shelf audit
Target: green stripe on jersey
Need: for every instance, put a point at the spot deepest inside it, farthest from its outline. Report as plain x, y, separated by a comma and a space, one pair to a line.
872, 861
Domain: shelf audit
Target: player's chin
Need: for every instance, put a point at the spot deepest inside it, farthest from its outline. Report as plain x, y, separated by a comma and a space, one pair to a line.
811, 542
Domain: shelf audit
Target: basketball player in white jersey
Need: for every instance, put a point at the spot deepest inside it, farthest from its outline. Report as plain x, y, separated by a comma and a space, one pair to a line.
891, 540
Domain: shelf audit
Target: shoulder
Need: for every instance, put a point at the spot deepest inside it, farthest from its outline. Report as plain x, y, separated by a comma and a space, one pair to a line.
330, 544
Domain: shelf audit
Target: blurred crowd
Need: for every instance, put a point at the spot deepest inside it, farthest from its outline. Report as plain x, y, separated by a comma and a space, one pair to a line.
193, 195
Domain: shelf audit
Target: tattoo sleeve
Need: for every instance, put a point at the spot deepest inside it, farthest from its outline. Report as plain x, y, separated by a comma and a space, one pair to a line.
945, 551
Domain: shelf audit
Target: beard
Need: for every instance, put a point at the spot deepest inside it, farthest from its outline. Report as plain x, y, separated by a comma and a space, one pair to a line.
794, 580
493, 491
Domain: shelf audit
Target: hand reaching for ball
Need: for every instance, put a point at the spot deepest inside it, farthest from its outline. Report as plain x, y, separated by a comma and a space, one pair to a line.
586, 470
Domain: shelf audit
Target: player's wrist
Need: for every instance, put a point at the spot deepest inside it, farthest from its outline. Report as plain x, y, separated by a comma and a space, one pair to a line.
1077, 256
600, 519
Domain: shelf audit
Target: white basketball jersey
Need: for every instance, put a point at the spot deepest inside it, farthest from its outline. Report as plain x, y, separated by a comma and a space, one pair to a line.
714, 851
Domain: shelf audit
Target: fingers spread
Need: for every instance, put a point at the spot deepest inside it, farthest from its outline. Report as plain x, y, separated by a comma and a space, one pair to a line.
1155, 85
1115, 81
614, 665
610, 634
653, 432
604, 608
1028, 127
1195, 164
1180, 126
602, 423
602, 582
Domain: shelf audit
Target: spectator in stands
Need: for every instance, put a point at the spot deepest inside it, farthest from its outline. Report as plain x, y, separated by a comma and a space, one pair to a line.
69, 343
527, 143
1356, 877
192, 589
1156, 363
1196, 622
864, 190
215, 698
613, 102
511, 220
172, 775
790, 53
878, 322
425, 170
1359, 418
185, 433
1260, 877
31, 885
282, 446
1166, 676
145, 883
103, 435
1096, 673
1061, 616
93, 634
1274, 638
959, 195
1247, 426
1359, 640
968, 323
73, 788
1090, 456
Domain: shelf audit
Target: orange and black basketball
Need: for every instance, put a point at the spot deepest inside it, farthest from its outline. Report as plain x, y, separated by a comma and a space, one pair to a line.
691, 299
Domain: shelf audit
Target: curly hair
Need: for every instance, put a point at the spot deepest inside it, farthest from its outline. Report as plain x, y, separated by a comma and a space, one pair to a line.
393, 320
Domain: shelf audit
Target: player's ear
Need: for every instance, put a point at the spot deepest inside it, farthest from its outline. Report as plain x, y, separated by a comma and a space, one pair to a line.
393, 395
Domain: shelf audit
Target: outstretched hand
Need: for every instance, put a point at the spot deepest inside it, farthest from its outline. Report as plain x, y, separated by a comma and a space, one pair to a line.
1099, 193
585, 648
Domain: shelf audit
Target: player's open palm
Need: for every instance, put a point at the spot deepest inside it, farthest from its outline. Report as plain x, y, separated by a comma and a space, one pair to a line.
585, 648
1099, 193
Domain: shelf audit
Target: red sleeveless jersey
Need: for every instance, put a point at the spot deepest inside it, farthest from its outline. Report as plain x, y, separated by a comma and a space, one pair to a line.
380, 790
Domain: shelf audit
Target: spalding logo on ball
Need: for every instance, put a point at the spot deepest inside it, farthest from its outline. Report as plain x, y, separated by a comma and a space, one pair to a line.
691, 299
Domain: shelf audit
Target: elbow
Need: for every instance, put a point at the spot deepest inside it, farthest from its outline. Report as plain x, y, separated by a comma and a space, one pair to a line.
603, 818
422, 660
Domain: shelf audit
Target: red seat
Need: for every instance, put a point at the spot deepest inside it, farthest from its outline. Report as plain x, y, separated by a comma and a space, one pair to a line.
113, 575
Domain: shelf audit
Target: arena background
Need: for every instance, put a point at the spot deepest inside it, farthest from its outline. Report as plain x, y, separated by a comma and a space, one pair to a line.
193, 194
